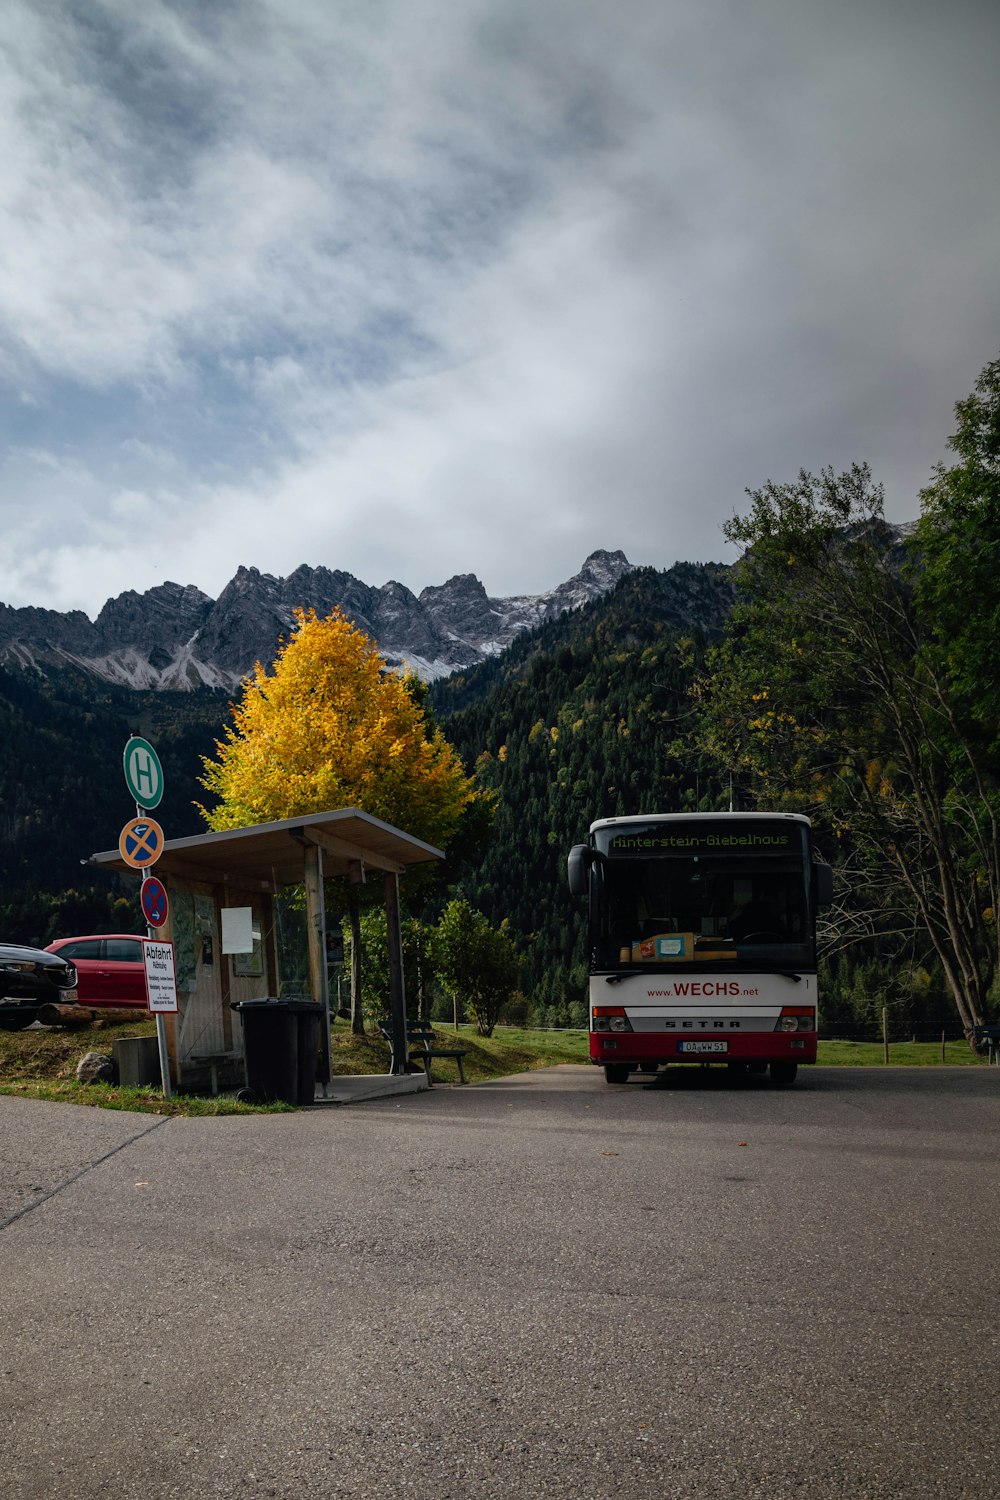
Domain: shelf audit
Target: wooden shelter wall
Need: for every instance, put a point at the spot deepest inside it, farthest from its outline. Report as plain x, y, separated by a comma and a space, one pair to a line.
204, 1025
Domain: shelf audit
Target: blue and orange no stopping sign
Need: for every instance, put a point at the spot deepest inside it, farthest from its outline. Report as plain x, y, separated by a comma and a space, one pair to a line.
140, 843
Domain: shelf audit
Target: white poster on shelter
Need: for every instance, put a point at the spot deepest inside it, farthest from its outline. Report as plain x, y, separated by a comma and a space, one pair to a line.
237, 929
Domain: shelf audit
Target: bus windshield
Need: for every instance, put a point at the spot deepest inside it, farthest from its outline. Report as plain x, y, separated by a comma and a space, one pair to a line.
678, 894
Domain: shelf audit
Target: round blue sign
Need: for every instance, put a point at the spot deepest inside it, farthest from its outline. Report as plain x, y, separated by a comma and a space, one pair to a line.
154, 901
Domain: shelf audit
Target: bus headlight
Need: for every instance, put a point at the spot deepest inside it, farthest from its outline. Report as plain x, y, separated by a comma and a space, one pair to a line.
610, 1018
796, 1018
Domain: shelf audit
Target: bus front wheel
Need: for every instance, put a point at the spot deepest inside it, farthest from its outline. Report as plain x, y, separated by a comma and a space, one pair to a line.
616, 1072
783, 1074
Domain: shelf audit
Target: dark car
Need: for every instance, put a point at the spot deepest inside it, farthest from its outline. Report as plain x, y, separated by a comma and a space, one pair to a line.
29, 979
110, 967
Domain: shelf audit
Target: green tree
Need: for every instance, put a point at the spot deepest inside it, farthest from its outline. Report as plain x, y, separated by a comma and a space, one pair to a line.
476, 964
825, 696
415, 937
957, 578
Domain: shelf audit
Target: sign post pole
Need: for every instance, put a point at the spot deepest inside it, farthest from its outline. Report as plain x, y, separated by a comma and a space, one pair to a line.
161, 1043
155, 907
161, 992
141, 844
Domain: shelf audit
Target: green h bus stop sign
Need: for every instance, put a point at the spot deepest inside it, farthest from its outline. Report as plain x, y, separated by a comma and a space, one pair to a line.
143, 772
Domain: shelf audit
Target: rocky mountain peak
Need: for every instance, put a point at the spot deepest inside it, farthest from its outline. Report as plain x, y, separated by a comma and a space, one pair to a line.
462, 611
175, 637
604, 568
461, 586
168, 615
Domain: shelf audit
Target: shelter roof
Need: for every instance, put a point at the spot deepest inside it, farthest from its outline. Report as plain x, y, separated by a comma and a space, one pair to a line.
271, 854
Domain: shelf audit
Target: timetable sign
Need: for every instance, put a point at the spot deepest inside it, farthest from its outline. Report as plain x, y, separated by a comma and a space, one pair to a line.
161, 987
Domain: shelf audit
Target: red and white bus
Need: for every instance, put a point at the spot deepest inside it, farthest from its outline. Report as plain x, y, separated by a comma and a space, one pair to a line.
702, 941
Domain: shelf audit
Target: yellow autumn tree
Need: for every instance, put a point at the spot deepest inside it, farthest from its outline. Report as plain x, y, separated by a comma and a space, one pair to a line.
329, 727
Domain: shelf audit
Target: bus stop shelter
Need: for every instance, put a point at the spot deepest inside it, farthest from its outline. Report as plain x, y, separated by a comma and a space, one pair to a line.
219, 882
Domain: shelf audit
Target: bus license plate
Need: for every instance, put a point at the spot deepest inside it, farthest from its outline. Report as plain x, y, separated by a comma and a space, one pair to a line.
703, 1046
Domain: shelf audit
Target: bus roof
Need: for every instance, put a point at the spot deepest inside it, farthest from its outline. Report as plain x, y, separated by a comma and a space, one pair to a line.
710, 817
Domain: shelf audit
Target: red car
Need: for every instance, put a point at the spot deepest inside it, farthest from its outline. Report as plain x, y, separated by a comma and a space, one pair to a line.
109, 966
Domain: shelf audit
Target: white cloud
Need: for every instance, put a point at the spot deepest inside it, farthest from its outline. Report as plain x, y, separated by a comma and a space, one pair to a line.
411, 290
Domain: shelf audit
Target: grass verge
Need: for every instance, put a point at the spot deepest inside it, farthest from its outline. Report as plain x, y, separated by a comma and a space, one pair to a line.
41, 1064
901, 1054
144, 1101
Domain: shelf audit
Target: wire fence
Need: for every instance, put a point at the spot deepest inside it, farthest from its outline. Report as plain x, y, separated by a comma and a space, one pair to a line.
900, 1030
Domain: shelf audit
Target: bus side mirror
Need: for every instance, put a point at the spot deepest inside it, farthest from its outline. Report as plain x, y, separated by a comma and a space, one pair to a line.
578, 870
824, 883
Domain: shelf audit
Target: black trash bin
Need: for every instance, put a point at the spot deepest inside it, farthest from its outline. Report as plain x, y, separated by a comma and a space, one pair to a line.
280, 1041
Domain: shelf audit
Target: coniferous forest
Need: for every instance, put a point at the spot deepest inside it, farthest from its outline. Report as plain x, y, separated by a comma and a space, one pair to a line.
588, 717
63, 795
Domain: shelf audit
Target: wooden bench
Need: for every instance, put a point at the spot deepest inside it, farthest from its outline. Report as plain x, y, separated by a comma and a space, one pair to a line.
421, 1046
987, 1039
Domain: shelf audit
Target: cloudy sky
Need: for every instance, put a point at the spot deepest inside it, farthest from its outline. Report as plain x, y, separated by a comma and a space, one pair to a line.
416, 287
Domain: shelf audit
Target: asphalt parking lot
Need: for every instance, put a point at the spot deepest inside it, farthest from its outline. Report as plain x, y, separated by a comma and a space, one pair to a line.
536, 1286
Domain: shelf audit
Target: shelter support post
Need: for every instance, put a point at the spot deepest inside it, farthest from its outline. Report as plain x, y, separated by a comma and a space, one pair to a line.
316, 937
397, 993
